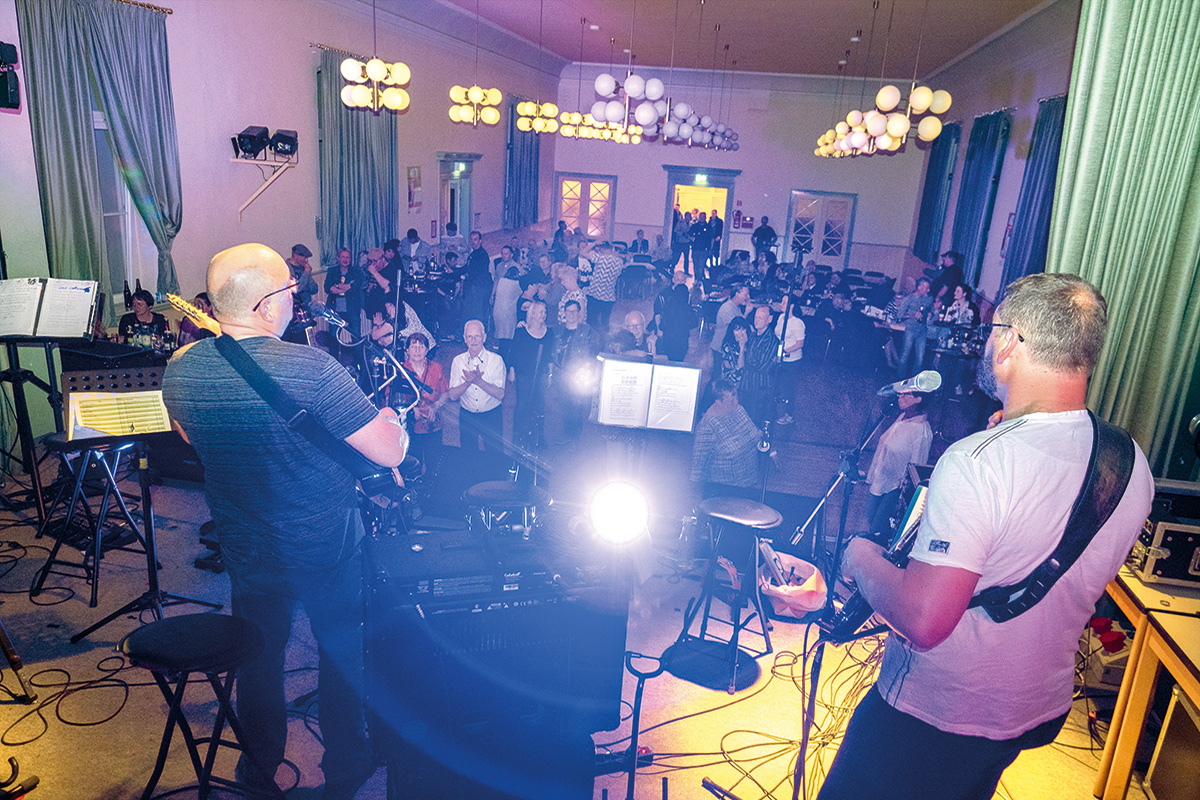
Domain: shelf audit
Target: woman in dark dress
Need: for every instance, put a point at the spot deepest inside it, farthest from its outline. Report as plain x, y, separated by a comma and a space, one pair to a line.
529, 360
142, 326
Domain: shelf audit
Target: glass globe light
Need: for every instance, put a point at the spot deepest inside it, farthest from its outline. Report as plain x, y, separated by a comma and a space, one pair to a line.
598, 109
361, 95
858, 140
877, 125
897, 125
458, 95
842, 128
661, 107
635, 86
467, 113
919, 99
489, 115
685, 131
549, 110
454, 117
940, 102
854, 118
654, 89
887, 98
670, 129
352, 70
681, 111
494, 96
394, 98
614, 111
476, 94
929, 128
551, 124
524, 124
376, 69
605, 85
401, 74
576, 118
348, 96
645, 113
539, 124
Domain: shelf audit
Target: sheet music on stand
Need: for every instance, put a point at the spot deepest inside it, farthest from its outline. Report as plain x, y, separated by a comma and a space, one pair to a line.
635, 393
101, 414
47, 308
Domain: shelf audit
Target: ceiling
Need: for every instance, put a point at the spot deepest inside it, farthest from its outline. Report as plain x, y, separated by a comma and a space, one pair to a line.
805, 37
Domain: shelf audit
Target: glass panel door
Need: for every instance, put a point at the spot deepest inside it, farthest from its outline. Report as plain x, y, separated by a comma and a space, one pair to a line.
820, 226
586, 203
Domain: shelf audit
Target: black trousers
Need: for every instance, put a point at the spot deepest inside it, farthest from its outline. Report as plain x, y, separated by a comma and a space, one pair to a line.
486, 428
889, 755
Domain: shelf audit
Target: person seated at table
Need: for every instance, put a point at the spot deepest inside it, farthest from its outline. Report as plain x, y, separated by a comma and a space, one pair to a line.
426, 421
143, 326
382, 328
191, 332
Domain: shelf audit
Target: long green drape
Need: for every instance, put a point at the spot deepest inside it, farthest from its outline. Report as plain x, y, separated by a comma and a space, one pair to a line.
133, 83
1127, 210
1031, 224
977, 193
80, 53
360, 173
53, 37
935, 197
521, 174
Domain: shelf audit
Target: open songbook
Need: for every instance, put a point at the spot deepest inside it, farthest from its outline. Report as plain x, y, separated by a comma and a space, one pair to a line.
635, 393
50, 308
93, 414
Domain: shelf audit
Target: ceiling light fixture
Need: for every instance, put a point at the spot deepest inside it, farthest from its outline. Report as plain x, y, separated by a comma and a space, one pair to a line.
375, 84
475, 104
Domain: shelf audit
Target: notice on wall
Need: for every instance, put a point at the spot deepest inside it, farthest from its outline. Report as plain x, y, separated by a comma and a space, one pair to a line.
414, 188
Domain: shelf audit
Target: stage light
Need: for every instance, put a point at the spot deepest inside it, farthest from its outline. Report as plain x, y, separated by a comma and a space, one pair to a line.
253, 140
284, 143
619, 512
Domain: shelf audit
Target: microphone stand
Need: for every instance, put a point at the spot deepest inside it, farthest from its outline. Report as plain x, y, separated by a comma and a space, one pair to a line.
847, 475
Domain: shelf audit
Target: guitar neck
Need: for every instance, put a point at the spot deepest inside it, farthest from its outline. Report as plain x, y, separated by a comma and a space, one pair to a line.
195, 314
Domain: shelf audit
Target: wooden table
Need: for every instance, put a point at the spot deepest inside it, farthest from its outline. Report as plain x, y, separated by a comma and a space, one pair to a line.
1166, 623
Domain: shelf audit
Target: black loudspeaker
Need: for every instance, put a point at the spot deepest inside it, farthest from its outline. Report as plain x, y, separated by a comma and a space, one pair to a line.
8, 53
10, 95
489, 665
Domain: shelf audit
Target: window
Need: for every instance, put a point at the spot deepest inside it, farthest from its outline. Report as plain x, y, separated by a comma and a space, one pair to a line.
132, 255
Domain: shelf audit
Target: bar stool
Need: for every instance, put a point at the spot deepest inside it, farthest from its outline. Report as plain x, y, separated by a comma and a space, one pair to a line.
502, 507
736, 524
105, 455
172, 649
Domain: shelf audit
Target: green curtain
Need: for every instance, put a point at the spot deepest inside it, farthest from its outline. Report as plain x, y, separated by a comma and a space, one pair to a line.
1127, 210
977, 193
521, 174
939, 173
360, 173
54, 43
1031, 221
133, 84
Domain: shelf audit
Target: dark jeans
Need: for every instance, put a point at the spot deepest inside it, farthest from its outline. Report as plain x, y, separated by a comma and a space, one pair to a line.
677, 251
889, 755
332, 599
487, 427
879, 511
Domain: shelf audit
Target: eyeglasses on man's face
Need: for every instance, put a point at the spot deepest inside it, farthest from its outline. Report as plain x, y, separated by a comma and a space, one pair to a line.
288, 288
989, 326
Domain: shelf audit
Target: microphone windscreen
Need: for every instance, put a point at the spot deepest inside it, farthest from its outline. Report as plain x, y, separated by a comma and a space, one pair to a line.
928, 381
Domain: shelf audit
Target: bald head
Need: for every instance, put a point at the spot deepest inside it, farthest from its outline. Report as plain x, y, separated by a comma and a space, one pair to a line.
240, 276
635, 323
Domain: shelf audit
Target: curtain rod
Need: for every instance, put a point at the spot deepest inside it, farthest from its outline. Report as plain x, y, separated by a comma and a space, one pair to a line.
156, 9
327, 48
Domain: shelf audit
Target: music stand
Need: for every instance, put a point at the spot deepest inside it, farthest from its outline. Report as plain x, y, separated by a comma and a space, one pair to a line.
154, 599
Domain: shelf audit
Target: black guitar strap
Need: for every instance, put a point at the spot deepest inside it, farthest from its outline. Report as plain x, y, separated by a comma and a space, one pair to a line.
1109, 469
297, 418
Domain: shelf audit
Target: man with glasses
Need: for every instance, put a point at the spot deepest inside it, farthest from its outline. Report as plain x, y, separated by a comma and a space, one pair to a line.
960, 694
285, 511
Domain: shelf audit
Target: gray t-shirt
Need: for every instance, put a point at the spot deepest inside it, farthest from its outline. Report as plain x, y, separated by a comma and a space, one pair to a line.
276, 499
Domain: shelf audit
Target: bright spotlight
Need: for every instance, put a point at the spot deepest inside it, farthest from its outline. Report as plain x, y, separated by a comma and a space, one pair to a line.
619, 512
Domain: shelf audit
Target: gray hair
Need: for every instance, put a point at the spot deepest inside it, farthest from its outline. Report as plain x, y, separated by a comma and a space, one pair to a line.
1062, 317
243, 288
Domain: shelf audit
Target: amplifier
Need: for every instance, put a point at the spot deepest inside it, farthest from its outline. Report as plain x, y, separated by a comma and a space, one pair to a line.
1168, 548
487, 667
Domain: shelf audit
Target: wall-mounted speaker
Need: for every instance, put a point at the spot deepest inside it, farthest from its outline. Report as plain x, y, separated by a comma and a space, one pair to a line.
10, 95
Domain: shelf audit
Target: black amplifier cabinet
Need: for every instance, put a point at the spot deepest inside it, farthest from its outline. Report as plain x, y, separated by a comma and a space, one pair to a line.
82, 356
489, 665
1168, 548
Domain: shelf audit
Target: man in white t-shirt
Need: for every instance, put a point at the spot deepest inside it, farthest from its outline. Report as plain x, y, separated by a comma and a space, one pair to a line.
477, 384
960, 695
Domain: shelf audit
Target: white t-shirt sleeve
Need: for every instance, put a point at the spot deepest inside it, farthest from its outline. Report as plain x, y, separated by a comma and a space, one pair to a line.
959, 515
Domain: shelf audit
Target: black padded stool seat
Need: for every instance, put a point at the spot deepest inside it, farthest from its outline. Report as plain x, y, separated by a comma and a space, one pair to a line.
58, 443
505, 506
741, 511
194, 643
175, 647
506, 495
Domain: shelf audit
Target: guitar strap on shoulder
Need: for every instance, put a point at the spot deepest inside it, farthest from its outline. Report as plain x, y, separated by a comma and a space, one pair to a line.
1109, 469
296, 417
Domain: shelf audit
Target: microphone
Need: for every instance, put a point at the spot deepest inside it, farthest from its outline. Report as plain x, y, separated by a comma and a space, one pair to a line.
928, 381
320, 310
